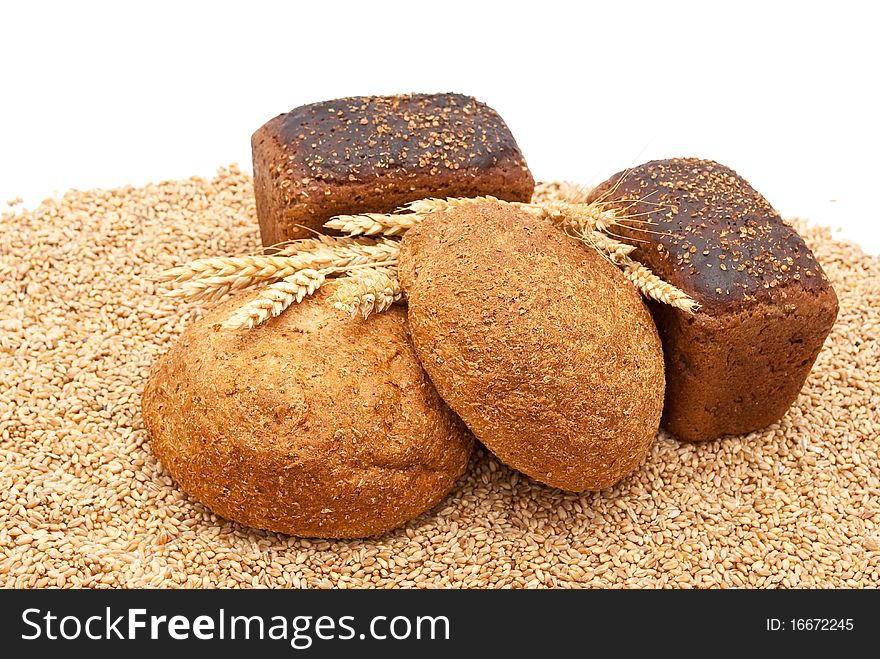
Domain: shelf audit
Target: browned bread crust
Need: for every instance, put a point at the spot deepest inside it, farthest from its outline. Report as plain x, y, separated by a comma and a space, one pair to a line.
542, 347
376, 153
767, 306
311, 424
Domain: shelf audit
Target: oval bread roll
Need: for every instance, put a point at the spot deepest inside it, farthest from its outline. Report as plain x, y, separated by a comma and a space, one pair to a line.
540, 345
312, 424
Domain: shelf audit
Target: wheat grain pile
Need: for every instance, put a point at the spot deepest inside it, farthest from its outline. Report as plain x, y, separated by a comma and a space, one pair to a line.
84, 503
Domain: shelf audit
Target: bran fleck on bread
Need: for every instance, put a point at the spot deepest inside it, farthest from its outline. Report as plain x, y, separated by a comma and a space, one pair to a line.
542, 347
766, 304
312, 424
376, 153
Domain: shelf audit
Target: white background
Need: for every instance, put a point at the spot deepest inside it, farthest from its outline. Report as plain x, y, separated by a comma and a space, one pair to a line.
103, 94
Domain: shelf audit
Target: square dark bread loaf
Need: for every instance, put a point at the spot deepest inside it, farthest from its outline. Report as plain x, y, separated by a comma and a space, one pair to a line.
376, 153
766, 304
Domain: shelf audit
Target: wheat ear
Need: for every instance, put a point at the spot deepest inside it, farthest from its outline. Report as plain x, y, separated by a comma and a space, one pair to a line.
211, 278
368, 290
580, 217
647, 283
274, 299
371, 224
433, 205
650, 285
573, 193
614, 250
399, 222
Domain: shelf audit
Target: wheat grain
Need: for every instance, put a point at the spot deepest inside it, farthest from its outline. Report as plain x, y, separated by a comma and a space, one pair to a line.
274, 299
367, 291
86, 504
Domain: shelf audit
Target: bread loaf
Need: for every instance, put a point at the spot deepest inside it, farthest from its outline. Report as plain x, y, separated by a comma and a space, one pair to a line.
376, 153
542, 347
766, 304
312, 424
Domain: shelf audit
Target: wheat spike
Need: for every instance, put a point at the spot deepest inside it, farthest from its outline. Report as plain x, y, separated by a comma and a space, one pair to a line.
340, 251
274, 299
619, 253
368, 290
616, 252
433, 205
405, 218
371, 224
650, 285
219, 267
211, 278
573, 193
580, 217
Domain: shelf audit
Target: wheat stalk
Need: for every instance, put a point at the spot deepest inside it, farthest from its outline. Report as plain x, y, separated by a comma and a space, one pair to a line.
367, 291
274, 299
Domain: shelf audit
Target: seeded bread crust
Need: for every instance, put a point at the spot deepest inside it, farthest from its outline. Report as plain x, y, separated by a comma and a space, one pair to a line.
376, 153
311, 424
542, 347
739, 363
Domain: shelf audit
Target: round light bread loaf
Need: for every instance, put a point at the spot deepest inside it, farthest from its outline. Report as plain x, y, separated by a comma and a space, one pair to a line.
540, 345
312, 424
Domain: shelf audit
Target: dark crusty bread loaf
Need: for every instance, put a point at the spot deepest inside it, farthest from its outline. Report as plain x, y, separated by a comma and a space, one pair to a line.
542, 347
311, 424
375, 153
766, 305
